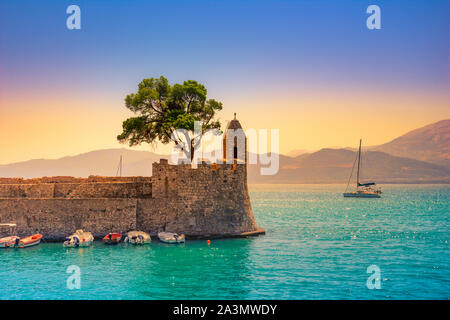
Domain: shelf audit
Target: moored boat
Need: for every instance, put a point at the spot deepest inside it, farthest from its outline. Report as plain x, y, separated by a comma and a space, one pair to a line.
9, 242
363, 190
30, 241
112, 238
138, 237
79, 239
170, 237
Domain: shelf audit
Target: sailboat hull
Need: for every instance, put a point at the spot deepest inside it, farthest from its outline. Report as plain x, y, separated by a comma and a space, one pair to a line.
361, 195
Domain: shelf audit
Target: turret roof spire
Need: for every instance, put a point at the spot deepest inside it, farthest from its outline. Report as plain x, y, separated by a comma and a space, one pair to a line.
234, 124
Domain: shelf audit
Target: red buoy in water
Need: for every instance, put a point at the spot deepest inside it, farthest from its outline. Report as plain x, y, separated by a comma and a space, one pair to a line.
209, 242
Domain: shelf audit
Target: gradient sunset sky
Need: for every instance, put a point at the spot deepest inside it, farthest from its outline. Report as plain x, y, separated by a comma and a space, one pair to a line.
309, 68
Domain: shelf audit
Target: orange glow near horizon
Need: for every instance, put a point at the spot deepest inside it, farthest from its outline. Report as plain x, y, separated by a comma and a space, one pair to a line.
315, 72
53, 127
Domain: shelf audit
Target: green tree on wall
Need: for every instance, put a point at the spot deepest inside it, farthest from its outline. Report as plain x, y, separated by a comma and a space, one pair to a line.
161, 109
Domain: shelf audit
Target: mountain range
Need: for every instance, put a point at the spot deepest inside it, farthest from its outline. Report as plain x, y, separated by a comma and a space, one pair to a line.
100, 162
430, 143
335, 166
419, 156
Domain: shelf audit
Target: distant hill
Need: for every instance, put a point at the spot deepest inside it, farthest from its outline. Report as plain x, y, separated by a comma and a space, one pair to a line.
430, 143
323, 166
334, 166
100, 162
419, 156
297, 152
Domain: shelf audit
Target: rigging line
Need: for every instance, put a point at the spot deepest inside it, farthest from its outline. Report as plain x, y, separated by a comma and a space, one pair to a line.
121, 164
361, 166
119, 167
351, 174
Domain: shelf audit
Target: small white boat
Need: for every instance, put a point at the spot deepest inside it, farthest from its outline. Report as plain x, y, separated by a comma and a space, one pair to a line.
138, 237
79, 239
170, 237
9, 242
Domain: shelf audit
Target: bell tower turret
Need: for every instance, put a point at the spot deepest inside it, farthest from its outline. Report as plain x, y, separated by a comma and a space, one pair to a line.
234, 143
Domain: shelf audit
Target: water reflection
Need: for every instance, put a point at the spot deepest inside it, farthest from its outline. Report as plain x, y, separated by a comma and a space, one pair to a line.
196, 270
317, 246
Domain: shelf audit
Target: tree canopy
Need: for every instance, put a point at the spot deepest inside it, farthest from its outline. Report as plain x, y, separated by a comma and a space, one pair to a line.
160, 109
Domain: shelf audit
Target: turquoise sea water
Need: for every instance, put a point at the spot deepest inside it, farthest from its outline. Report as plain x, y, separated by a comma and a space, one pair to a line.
318, 246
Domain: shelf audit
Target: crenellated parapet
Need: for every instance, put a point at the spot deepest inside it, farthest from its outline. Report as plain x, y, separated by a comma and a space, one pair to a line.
206, 200
104, 187
169, 181
209, 199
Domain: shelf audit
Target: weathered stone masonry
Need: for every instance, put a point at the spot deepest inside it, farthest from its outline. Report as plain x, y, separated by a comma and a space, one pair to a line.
211, 200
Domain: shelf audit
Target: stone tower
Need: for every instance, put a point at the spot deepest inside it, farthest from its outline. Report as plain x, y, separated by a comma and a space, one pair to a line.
210, 200
234, 143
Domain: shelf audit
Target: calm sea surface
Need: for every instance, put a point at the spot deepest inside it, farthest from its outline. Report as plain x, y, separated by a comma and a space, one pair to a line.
318, 246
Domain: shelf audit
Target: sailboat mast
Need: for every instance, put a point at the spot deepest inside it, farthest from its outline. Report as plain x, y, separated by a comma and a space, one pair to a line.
121, 165
359, 164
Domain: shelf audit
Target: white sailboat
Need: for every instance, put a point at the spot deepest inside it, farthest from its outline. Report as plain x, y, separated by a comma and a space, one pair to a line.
363, 190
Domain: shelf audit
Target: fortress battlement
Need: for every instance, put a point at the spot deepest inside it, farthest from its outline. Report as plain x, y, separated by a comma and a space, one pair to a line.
209, 200
168, 181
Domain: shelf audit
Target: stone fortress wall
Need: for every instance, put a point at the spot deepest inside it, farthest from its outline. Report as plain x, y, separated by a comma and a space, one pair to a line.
211, 200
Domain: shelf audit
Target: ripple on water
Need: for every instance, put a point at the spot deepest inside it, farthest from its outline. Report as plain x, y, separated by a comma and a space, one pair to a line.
318, 246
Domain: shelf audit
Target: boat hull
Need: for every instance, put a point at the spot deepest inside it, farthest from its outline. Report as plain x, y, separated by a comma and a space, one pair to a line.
361, 195
112, 238
8, 242
168, 237
138, 238
30, 241
81, 244
79, 239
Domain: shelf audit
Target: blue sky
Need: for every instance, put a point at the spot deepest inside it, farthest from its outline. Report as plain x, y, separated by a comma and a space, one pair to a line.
245, 52
224, 40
